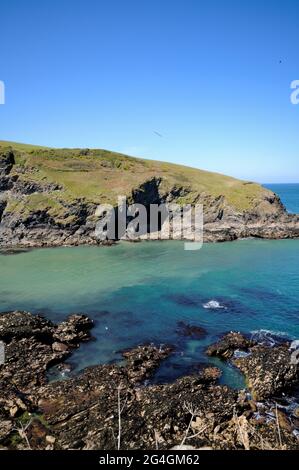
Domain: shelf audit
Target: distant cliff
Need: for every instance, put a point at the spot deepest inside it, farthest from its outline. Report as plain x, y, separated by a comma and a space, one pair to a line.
48, 197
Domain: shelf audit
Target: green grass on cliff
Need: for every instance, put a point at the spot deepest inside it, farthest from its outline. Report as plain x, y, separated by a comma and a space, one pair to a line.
101, 175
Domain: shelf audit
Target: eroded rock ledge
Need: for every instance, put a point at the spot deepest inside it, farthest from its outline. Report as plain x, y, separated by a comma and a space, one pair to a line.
82, 411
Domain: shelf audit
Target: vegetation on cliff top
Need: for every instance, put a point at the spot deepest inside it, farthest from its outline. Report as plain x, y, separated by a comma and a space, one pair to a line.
100, 176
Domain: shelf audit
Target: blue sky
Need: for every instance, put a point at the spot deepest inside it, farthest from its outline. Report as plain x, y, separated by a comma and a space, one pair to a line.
205, 75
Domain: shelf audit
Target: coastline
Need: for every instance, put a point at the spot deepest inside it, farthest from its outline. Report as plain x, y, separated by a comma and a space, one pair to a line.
286, 229
66, 414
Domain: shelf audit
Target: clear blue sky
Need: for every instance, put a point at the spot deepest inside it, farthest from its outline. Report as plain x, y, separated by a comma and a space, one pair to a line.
204, 74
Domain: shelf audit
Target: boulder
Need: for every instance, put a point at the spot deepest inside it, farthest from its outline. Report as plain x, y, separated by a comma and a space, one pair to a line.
227, 345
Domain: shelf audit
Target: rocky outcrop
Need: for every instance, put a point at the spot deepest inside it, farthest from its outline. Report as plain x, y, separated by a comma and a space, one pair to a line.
36, 211
33, 344
7, 161
228, 344
112, 406
23, 186
267, 369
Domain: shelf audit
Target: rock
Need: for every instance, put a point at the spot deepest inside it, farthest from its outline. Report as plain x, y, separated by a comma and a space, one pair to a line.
192, 331
13, 411
268, 371
263, 214
25, 186
294, 344
228, 344
74, 330
210, 374
183, 447
7, 182
59, 347
82, 412
50, 439
7, 161
283, 420
143, 360
18, 325
31, 347
92, 398
6, 427
252, 405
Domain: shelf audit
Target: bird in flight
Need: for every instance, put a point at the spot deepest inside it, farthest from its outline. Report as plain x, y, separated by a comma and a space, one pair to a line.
158, 134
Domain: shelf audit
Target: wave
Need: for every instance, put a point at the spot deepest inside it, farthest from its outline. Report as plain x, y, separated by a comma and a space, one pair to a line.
214, 305
269, 337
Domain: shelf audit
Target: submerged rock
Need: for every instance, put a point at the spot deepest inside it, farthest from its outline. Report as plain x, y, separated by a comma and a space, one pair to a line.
191, 331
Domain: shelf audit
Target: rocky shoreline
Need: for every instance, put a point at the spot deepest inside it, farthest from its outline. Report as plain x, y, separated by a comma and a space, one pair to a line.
112, 406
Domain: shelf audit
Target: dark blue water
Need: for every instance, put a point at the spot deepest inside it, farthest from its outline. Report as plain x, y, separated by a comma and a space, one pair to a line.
137, 293
289, 194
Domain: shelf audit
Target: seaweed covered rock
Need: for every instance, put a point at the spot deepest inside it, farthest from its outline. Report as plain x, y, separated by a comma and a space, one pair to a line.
267, 370
17, 325
227, 345
31, 347
113, 406
143, 360
74, 330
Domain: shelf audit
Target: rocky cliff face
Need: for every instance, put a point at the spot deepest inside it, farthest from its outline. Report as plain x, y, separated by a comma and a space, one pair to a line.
39, 208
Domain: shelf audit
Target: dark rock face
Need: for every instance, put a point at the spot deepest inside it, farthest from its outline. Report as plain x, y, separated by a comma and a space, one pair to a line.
228, 344
7, 182
29, 187
7, 161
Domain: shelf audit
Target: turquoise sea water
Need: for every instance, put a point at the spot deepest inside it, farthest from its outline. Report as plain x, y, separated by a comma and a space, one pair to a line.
138, 293
289, 194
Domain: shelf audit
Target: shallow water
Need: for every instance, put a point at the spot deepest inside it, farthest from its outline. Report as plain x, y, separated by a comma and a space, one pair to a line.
137, 293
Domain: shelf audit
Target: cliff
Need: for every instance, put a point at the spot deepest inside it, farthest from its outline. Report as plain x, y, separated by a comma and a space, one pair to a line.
48, 197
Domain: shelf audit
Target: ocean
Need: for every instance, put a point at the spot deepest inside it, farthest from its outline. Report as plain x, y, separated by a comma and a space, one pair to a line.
138, 293
289, 194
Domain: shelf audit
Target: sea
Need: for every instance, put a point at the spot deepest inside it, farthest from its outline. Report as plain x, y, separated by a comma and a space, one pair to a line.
142, 292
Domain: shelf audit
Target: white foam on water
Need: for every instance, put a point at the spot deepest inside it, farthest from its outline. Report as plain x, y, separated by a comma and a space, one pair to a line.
214, 305
268, 337
238, 353
294, 344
